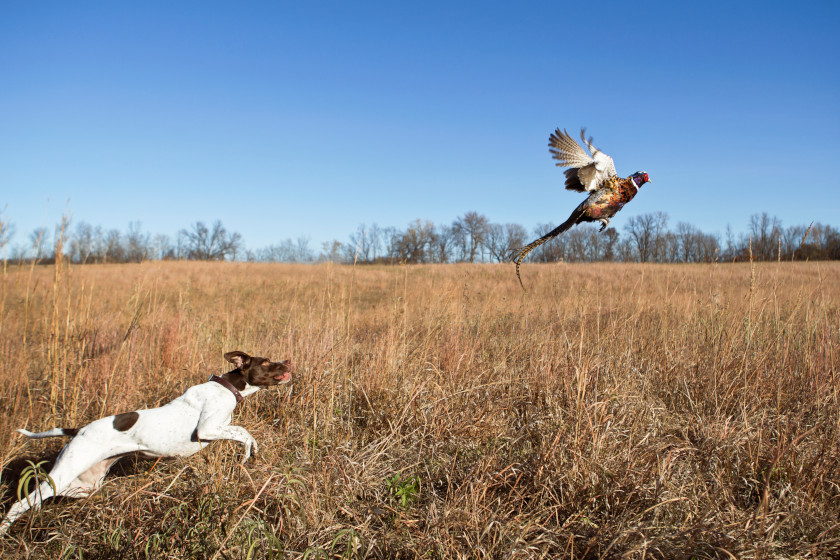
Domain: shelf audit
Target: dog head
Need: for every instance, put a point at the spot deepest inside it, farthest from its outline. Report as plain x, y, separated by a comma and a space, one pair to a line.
260, 372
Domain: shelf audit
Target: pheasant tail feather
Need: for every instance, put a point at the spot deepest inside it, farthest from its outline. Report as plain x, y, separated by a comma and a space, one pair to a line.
534, 244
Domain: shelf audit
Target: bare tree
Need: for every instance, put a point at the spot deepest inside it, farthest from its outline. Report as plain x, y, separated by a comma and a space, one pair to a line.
495, 242
281, 252
98, 252
731, 245
792, 237
136, 243
181, 245
593, 242
686, 235
413, 246
302, 251
576, 244
707, 246
765, 231
503, 240
288, 250
201, 243
364, 244
81, 244
390, 240
668, 247
646, 232
626, 250
375, 239
441, 244
39, 241
831, 243
331, 251
113, 247
161, 247
359, 248
470, 230
609, 250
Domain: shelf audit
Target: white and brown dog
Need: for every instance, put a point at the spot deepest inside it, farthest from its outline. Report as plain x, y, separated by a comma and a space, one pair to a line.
180, 428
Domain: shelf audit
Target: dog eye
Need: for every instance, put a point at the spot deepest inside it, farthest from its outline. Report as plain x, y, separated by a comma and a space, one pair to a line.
266, 362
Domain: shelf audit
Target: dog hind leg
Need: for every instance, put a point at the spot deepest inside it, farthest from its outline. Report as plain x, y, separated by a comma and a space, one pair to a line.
44, 491
78, 472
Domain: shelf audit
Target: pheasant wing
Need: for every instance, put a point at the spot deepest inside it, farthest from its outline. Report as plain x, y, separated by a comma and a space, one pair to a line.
604, 167
585, 173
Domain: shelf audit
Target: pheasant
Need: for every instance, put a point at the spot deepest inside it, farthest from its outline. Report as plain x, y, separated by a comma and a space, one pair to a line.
595, 174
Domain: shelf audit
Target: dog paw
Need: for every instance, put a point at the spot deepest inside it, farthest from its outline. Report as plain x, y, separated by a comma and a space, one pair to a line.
250, 454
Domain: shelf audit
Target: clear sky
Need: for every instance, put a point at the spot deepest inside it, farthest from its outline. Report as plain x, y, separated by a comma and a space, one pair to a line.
309, 118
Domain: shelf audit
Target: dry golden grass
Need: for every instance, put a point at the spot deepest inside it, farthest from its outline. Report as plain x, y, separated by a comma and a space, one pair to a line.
632, 411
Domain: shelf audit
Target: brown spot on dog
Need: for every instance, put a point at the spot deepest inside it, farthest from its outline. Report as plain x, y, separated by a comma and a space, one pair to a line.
123, 422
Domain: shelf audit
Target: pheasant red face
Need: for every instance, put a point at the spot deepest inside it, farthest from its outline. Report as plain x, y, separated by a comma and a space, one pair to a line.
639, 178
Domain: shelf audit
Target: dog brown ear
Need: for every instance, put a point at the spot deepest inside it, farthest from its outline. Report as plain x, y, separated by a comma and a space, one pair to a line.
239, 359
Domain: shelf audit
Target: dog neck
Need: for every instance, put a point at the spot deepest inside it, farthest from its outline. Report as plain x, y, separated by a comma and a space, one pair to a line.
236, 383
229, 386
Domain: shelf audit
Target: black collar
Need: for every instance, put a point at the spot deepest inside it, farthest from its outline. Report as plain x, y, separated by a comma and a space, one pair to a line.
229, 386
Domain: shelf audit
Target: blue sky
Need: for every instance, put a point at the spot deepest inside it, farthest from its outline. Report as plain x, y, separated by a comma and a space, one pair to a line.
309, 118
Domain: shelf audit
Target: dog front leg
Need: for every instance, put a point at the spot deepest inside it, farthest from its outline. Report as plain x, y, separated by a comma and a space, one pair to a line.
235, 433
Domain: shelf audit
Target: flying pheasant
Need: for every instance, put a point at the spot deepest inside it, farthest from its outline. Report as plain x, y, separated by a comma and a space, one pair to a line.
595, 174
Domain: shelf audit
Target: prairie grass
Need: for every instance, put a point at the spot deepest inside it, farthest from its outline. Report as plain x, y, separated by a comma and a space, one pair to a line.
615, 410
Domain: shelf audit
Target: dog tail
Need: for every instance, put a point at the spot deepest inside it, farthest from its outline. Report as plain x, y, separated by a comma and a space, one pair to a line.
55, 432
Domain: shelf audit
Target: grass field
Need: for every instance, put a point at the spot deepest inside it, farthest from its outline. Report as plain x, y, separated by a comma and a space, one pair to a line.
615, 410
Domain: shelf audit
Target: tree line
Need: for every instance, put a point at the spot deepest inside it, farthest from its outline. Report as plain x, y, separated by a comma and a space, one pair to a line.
471, 237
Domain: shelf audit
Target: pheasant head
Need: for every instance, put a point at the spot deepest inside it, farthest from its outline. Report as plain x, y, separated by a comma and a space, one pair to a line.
639, 178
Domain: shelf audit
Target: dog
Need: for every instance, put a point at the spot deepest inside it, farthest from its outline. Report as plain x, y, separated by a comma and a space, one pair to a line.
180, 428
